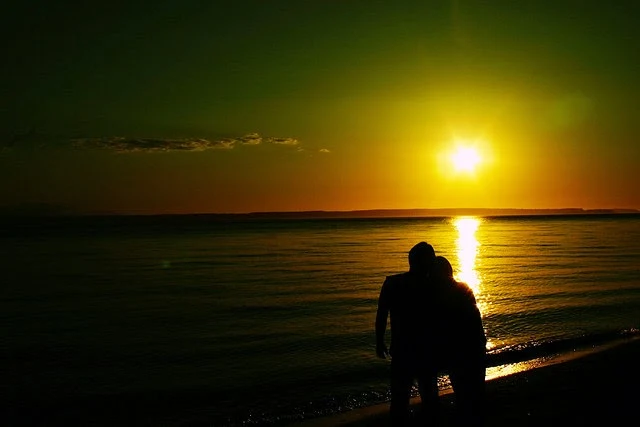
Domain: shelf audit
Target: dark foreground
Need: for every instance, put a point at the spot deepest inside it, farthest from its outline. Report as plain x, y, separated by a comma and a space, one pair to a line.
601, 388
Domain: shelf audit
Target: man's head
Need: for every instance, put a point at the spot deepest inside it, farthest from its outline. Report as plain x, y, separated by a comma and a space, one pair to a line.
421, 257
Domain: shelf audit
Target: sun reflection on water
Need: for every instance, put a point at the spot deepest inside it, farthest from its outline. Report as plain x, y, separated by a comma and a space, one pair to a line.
467, 250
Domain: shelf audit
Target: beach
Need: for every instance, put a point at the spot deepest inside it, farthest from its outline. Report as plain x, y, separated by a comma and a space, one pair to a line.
600, 386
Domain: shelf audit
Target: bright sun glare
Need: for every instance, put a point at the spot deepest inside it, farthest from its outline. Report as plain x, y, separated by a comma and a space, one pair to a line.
465, 159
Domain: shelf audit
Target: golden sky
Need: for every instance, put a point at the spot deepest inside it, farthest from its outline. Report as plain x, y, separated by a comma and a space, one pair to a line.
320, 105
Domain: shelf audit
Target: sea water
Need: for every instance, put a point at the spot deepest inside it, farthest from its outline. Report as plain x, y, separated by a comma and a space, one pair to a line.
266, 320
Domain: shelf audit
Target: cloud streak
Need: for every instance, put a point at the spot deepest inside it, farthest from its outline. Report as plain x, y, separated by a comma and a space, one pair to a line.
250, 139
121, 144
283, 141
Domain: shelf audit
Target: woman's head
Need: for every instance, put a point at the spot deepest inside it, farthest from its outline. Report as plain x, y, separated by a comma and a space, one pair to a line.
442, 269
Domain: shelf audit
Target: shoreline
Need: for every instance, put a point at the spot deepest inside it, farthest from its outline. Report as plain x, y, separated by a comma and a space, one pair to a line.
579, 385
571, 388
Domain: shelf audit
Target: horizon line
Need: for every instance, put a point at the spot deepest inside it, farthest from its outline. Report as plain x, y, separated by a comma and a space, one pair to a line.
319, 213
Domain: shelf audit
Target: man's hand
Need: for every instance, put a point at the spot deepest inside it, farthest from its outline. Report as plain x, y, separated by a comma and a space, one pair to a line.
381, 351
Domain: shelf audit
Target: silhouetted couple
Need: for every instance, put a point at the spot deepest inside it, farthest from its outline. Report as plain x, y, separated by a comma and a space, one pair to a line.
436, 327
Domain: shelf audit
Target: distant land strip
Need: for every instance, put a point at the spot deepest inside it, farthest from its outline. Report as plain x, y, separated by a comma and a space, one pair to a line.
420, 213
39, 211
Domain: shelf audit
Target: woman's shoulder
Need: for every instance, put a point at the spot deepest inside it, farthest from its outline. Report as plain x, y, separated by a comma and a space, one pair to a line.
464, 290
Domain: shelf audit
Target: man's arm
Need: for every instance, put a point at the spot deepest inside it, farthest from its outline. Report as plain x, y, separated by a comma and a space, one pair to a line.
381, 321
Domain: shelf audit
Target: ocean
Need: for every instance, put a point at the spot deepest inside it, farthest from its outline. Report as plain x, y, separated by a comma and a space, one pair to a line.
259, 322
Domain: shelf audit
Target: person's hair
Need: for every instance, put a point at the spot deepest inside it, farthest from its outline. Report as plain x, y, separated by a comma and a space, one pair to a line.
442, 268
421, 256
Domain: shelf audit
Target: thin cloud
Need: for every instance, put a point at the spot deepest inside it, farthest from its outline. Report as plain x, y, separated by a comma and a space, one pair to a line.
324, 150
283, 141
121, 144
223, 144
250, 139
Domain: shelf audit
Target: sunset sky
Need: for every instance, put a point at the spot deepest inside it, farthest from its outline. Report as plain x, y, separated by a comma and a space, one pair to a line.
268, 105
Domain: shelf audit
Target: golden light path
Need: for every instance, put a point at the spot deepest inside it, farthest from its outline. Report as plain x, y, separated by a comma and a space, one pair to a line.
468, 247
467, 250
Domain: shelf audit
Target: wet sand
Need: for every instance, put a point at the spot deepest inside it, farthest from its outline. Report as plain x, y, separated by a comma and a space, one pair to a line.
601, 387
598, 387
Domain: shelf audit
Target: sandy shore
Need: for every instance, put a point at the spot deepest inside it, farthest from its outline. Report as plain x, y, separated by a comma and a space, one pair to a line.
598, 387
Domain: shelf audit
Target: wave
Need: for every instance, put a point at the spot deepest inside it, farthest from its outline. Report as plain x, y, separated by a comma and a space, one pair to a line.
372, 380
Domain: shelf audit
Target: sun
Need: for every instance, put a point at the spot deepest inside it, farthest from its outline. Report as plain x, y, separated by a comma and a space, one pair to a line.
465, 159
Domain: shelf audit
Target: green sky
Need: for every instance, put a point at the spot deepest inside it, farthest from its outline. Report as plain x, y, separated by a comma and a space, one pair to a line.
235, 106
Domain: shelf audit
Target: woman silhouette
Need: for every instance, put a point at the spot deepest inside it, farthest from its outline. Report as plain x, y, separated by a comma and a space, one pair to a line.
462, 342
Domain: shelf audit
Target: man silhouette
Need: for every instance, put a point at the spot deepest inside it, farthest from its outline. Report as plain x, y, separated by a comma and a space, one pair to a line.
405, 298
